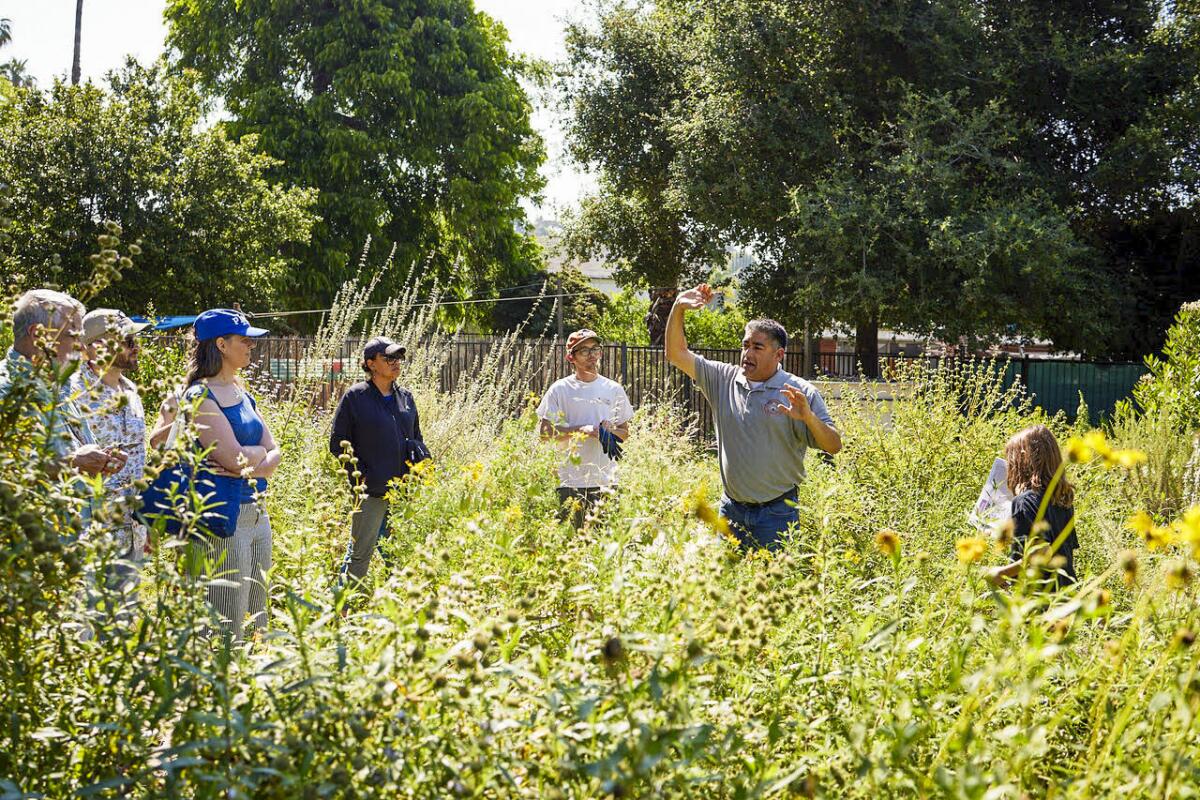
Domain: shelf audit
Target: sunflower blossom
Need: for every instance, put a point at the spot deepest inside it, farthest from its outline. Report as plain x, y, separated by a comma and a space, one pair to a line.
970, 549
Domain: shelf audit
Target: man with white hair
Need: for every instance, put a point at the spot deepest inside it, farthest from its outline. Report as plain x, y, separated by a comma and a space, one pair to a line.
46, 326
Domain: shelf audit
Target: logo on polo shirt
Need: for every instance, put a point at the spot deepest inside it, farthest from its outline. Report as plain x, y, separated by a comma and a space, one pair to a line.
774, 407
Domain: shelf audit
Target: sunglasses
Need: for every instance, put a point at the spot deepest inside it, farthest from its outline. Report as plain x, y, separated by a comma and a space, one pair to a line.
393, 359
589, 351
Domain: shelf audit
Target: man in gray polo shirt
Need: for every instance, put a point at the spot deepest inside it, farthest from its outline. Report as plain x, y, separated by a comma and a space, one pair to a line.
766, 419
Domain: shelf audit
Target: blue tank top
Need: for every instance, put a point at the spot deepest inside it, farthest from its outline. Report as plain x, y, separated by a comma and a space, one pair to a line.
247, 429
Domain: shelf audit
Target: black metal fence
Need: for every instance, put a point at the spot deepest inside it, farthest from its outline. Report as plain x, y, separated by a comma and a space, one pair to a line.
1055, 384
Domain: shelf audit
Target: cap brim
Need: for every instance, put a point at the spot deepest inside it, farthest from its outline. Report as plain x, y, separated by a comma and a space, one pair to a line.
395, 350
137, 327
252, 331
582, 342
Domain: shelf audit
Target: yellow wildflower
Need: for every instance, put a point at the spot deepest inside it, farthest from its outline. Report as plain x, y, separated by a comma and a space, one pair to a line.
888, 542
711, 518
1126, 459
422, 469
474, 471
1160, 536
1187, 528
1097, 443
1189, 524
970, 549
513, 513
1140, 523
1077, 451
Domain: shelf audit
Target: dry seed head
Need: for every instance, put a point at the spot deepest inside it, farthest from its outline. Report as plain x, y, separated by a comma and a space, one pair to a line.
613, 651
1129, 566
1179, 575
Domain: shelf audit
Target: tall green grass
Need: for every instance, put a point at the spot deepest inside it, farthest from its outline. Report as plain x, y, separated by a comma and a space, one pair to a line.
501, 654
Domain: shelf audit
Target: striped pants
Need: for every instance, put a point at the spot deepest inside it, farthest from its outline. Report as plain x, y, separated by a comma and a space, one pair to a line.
239, 565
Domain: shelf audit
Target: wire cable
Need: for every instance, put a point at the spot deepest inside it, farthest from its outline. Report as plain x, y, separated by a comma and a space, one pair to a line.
422, 304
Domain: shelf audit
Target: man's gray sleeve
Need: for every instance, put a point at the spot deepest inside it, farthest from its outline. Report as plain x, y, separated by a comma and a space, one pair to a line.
817, 404
711, 376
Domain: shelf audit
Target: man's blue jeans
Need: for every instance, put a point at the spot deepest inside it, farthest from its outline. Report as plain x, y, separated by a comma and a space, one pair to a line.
761, 525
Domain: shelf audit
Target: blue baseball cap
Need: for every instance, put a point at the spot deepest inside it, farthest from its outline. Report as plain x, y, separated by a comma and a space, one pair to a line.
224, 322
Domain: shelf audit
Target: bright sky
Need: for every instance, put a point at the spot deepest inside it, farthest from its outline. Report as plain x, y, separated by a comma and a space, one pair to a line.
43, 34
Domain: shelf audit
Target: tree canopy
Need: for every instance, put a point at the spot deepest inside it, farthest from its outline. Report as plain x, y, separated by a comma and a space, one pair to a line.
948, 166
213, 227
408, 116
581, 308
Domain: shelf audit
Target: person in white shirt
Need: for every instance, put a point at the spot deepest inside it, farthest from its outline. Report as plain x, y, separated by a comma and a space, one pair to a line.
588, 416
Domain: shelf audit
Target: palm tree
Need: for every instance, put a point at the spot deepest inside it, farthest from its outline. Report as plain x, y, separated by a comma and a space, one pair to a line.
78, 33
15, 71
5, 31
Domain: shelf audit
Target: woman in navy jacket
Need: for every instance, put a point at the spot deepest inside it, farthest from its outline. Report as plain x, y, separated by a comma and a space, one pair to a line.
379, 421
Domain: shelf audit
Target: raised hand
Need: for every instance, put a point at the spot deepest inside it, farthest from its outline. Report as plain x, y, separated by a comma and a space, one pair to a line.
696, 298
798, 407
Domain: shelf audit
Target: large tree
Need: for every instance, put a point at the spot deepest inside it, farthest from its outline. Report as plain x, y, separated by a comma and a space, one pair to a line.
796, 126
937, 231
408, 115
213, 227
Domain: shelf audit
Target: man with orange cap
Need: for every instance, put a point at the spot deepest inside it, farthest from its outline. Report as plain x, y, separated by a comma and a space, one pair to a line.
588, 415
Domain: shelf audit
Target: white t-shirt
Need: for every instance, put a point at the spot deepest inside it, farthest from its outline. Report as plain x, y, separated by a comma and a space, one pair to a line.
571, 402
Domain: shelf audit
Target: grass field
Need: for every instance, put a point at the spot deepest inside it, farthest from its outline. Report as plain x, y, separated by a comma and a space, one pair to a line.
500, 654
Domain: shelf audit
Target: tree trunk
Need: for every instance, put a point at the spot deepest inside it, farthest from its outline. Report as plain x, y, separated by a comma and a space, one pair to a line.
866, 343
78, 36
661, 301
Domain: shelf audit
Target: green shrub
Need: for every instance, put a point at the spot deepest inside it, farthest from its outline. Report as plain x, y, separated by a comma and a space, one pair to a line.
1172, 389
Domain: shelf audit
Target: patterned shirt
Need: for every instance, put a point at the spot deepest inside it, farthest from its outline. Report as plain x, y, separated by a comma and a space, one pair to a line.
116, 418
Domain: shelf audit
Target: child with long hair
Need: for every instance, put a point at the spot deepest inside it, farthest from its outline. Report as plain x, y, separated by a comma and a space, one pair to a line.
1034, 458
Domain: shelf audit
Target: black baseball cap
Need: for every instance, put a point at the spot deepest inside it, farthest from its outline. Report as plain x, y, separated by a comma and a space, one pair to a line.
381, 345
